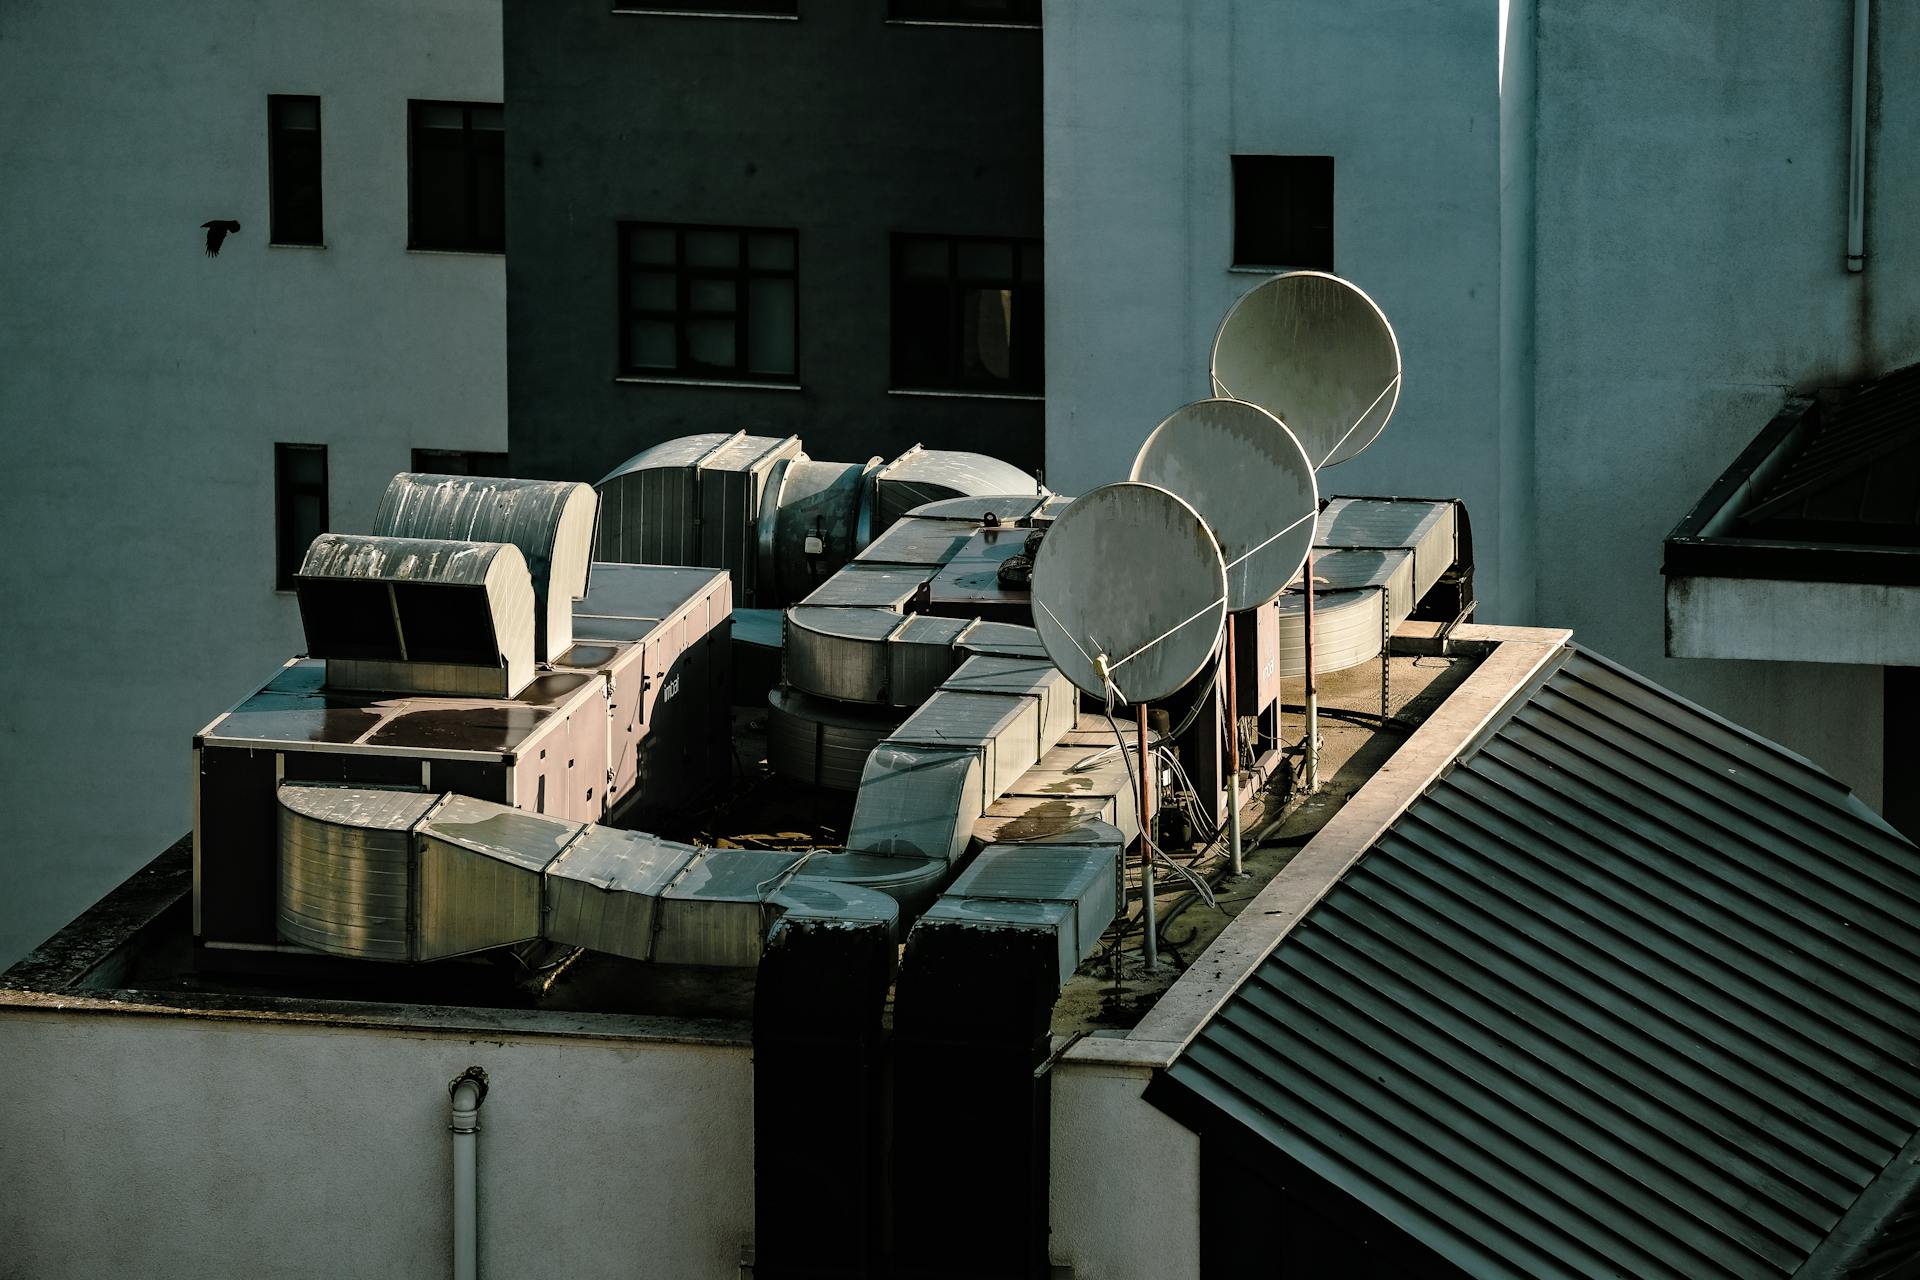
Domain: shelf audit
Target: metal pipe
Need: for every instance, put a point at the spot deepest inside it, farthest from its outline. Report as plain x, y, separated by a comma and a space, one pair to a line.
465, 1093
1311, 701
1233, 757
1857, 157
1146, 849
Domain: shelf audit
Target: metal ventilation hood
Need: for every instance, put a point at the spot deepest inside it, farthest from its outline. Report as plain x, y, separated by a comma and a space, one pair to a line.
418, 615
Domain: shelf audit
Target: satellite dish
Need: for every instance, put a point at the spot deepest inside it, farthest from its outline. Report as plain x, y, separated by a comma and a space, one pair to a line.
1247, 476
1129, 579
1316, 353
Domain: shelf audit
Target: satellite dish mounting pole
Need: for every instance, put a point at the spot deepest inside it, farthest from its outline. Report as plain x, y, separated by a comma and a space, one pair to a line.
1152, 948
1310, 700
1233, 757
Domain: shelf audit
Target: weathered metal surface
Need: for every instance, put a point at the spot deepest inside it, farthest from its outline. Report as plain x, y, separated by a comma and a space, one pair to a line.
917, 802
1059, 701
345, 857
601, 892
476, 878
822, 743
1003, 508
809, 503
915, 541
1316, 353
1427, 528
1002, 729
1129, 587
1629, 991
869, 655
550, 521
968, 585
871, 586
1066, 891
1243, 471
418, 615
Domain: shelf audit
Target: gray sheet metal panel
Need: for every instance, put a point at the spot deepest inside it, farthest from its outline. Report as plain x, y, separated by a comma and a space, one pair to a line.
550, 521
1002, 639
1007, 508
865, 586
1084, 877
1629, 991
917, 802
477, 879
912, 882
651, 503
1019, 818
645, 591
918, 542
345, 869
715, 912
733, 478
1004, 729
1346, 631
600, 893
920, 657
1426, 527
1059, 701
819, 742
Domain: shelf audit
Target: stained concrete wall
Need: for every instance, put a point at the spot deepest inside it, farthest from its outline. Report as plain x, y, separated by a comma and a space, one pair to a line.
1125, 1186
184, 1148
145, 384
1145, 104
1691, 237
841, 125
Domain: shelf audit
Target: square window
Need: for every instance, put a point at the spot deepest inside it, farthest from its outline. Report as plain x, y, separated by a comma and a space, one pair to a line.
300, 506
708, 302
967, 314
457, 176
1283, 211
293, 170
460, 462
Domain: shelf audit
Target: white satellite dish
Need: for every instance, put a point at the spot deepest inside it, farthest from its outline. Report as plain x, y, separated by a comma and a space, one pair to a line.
1250, 480
1129, 592
1316, 353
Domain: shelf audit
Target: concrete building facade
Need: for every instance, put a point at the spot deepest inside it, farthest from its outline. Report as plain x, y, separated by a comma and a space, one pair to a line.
1612, 242
148, 383
823, 132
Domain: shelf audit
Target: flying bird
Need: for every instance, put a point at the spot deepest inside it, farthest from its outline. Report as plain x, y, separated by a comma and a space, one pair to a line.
218, 230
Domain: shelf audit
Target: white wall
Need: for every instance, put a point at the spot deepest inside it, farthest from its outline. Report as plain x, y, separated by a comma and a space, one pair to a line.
164, 1147
1145, 104
1691, 237
143, 384
1125, 1178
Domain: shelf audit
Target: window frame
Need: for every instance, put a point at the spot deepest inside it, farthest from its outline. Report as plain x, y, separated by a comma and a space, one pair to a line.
275, 229
742, 275
780, 10
472, 243
421, 456
1297, 254
287, 557
954, 380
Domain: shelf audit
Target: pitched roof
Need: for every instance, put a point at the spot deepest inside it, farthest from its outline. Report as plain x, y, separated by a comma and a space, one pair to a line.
1855, 479
1630, 991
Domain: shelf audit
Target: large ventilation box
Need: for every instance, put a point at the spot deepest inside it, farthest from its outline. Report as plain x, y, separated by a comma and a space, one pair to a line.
632, 718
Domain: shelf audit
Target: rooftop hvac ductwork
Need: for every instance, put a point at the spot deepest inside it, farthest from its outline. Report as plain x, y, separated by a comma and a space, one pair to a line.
780, 522
550, 521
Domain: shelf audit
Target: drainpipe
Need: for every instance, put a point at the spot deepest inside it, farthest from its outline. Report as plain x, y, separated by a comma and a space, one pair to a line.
466, 1092
1857, 159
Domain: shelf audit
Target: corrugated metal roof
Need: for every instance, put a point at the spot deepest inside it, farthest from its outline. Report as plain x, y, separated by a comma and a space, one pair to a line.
1629, 992
1855, 468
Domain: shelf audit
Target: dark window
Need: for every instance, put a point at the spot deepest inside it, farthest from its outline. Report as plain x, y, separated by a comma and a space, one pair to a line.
460, 462
1024, 13
293, 169
458, 191
707, 302
300, 505
708, 7
967, 314
1283, 211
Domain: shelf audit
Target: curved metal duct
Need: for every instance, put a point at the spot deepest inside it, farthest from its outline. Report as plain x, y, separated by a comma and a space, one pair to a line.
822, 743
811, 523
550, 521
418, 615
920, 476
870, 656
